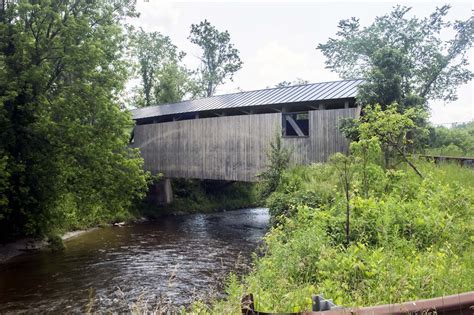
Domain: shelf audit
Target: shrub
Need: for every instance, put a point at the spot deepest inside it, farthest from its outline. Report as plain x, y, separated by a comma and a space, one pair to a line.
410, 238
278, 161
301, 185
55, 243
192, 195
455, 141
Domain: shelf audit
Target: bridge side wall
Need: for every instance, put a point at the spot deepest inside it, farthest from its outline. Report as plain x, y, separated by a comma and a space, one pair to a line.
233, 147
324, 138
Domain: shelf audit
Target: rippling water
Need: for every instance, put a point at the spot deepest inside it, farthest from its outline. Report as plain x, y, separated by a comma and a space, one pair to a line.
173, 260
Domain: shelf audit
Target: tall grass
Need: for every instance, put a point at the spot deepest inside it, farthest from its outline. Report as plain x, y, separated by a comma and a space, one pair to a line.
410, 238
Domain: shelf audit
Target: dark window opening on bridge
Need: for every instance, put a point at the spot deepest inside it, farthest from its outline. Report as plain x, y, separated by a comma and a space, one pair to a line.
295, 124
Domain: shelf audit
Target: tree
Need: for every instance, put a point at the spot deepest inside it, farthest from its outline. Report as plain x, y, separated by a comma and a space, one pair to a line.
403, 59
157, 62
63, 135
457, 140
366, 154
219, 60
344, 168
278, 161
174, 83
298, 81
393, 130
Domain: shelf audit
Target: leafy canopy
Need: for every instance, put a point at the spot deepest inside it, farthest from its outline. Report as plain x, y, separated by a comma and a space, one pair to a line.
458, 140
219, 59
403, 59
175, 83
157, 61
394, 130
64, 159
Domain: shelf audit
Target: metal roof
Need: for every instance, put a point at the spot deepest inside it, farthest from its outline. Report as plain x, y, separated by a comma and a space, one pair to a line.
272, 96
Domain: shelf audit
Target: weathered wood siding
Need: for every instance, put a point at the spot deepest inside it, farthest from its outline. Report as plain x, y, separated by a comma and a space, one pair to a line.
233, 147
324, 138
228, 148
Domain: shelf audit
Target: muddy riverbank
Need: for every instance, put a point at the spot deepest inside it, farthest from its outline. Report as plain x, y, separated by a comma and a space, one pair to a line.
28, 245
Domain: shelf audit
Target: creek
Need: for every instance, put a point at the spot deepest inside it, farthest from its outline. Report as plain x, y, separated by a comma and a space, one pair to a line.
171, 261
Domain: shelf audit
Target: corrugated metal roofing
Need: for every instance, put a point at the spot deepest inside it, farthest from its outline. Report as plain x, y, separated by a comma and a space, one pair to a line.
273, 96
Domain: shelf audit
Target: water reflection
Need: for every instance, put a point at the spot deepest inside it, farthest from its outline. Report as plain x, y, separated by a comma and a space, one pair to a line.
174, 259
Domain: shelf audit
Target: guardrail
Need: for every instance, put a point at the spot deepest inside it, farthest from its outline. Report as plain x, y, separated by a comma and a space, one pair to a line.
457, 304
462, 160
318, 301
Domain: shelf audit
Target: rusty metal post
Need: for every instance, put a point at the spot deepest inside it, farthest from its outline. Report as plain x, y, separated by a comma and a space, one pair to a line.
248, 307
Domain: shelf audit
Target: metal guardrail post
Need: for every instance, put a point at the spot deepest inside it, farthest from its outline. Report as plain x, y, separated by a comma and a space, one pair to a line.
248, 307
321, 304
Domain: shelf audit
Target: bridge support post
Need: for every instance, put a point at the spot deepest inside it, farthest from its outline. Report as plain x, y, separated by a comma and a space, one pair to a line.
160, 192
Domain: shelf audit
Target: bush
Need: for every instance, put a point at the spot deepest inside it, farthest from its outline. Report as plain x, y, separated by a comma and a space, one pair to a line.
278, 161
192, 195
301, 185
410, 238
455, 141
55, 243
284, 205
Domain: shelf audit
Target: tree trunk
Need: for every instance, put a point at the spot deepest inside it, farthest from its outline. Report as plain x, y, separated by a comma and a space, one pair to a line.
346, 188
409, 163
209, 89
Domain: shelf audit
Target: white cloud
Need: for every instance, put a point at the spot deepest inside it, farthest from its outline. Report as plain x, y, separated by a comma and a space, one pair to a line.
157, 15
274, 62
277, 62
461, 110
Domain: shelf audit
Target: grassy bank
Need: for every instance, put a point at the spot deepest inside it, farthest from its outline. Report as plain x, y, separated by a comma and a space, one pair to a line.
201, 196
409, 238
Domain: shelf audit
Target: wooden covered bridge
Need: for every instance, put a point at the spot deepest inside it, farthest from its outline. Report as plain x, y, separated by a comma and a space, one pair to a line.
227, 137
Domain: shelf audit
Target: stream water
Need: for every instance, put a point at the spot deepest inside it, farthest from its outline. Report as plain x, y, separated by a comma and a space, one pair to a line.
171, 261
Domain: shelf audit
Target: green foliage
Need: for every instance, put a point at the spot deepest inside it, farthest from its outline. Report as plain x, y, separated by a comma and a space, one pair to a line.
219, 59
367, 160
298, 81
63, 140
4, 178
344, 169
175, 82
455, 141
278, 160
157, 60
403, 59
55, 243
197, 196
410, 238
396, 131
350, 128
302, 185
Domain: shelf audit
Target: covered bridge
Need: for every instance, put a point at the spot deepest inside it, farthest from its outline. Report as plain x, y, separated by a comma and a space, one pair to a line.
226, 137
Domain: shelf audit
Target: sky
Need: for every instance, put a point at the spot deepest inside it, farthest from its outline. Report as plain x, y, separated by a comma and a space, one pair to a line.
277, 40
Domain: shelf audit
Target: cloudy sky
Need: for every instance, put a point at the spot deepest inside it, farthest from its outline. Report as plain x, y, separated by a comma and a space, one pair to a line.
277, 40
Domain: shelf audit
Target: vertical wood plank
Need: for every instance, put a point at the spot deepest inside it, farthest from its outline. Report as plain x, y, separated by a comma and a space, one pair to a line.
234, 147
